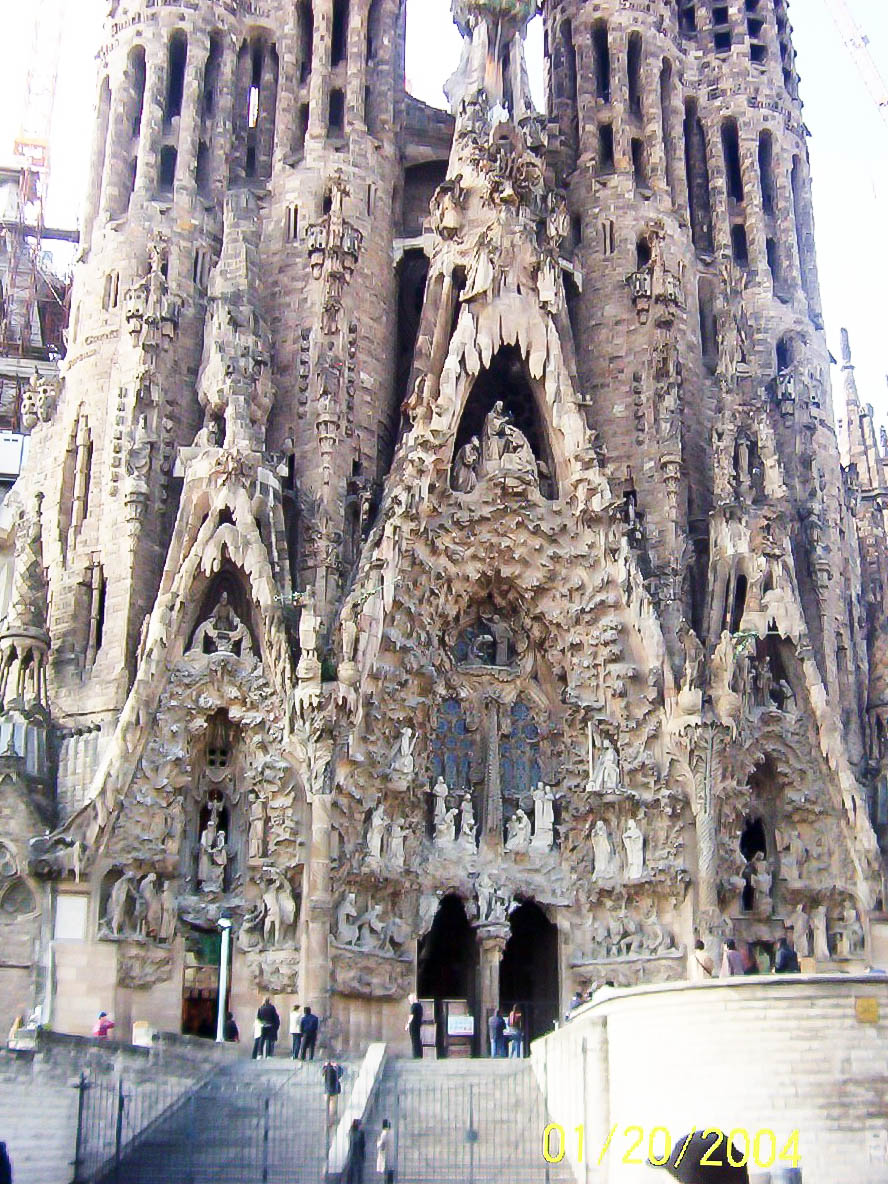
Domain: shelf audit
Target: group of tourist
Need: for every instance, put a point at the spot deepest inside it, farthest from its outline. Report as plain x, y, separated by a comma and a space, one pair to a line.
506, 1035
304, 1026
749, 960
357, 1153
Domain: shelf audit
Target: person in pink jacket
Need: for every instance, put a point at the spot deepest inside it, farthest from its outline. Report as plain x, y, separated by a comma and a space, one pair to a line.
102, 1026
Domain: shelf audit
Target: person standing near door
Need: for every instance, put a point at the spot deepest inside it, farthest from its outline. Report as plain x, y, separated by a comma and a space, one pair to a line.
496, 1030
516, 1027
295, 1031
308, 1026
414, 1026
268, 1017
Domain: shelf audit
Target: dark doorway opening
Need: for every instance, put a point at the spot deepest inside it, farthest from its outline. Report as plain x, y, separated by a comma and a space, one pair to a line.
447, 965
529, 970
200, 988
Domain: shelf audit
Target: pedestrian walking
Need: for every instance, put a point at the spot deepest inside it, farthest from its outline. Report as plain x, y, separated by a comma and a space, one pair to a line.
414, 1026
357, 1152
496, 1028
271, 1023
515, 1032
385, 1153
308, 1028
295, 1031
102, 1026
230, 1031
332, 1073
732, 960
5, 1166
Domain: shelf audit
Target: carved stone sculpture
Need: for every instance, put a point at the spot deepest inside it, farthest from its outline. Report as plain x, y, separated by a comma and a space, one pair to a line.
465, 467
544, 819
376, 833
213, 856
468, 839
223, 632
605, 777
800, 925
280, 908
821, 934
633, 841
518, 832
606, 865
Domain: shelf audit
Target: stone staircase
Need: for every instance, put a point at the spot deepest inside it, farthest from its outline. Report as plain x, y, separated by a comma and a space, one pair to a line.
463, 1122
253, 1122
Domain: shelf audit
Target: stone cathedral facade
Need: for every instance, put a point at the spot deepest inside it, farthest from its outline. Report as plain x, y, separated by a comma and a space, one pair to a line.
437, 556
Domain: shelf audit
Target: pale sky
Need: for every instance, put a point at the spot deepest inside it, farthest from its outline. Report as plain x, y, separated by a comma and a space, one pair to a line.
849, 144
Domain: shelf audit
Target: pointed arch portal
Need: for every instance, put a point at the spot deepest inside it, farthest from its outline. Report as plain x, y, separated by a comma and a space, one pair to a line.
529, 970
447, 963
507, 380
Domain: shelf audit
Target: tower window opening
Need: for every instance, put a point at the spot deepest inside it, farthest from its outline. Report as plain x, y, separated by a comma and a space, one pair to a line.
740, 244
336, 124
697, 167
339, 38
733, 169
634, 61
373, 31
687, 17
178, 54
327, 204
301, 130
101, 600
608, 237
739, 606
292, 224
639, 165
668, 125
708, 333
773, 254
721, 28
211, 75
202, 169
605, 148
766, 173
601, 52
167, 179
804, 229
785, 353
306, 40
642, 253
137, 66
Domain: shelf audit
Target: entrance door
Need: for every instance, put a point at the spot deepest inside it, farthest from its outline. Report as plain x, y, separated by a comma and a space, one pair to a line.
447, 966
200, 989
529, 970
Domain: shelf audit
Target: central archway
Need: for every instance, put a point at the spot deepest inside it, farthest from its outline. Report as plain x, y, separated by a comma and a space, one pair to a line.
447, 964
529, 970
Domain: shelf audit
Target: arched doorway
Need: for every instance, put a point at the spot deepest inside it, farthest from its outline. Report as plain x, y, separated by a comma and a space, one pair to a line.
447, 964
529, 969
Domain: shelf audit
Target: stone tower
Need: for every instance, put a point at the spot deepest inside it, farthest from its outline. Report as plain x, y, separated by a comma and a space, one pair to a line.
451, 573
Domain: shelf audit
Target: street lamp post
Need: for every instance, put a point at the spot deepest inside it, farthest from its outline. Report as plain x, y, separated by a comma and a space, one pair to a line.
224, 966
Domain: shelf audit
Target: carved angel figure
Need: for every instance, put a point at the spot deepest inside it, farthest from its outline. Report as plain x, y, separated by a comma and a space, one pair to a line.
605, 859
465, 467
518, 832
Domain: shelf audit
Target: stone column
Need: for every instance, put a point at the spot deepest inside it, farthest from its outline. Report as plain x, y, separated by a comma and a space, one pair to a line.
320, 71
705, 822
221, 133
189, 120
314, 976
492, 823
148, 159
755, 213
492, 938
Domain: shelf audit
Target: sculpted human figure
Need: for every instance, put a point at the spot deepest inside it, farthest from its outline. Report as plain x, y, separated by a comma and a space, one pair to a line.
606, 775
492, 441
280, 907
465, 467
761, 884
544, 818
694, 653
801, 931
119, 905
153, 906
518, 832
821, 935
346, 929
376, 833
397, 835
445, 830
169, 912
371, 928
467, 834
404, 763
222, 632
213, 858
633, 841
605, 859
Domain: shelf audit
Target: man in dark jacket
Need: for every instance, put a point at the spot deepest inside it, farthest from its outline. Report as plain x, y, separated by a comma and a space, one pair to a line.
270, 1020
357, 1152
332, 1073
496, 1029
787, 960
308, 1028
6, 1166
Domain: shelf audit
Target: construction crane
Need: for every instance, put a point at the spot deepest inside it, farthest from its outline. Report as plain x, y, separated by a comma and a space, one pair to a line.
23, 225
858, 45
